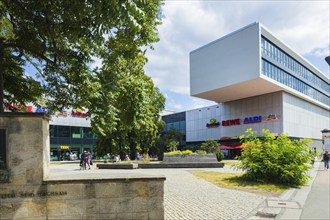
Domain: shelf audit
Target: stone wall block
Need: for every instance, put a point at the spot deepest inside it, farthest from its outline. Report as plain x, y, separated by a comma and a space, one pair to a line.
29, 195
15, 210
17, 176
92, 206
123, 205
114, 205
156, 214
73, 191
34, 175
110, 190
155, 203
140, 189
89, 216
66, 217
132, 215
37, 209
75, 207
138, 204
56, 208
156, 188
31, 126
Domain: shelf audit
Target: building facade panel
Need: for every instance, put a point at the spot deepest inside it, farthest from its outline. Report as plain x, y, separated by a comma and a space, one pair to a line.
212, 66
235, 117
199, 125
260, 106
304, 119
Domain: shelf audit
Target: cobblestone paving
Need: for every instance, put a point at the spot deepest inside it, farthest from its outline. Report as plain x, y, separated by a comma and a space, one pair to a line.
186, 196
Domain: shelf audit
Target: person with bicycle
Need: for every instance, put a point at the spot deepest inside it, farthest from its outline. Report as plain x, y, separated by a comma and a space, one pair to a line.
88, 159
83, 160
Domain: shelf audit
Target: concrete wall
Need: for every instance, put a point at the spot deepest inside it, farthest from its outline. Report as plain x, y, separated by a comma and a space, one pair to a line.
214, 65
30, 194
27, 147
303, 119
84, 199
196, 121
192, 158
240, 109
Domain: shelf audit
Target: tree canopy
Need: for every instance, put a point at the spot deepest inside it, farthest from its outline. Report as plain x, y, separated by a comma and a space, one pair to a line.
62, 41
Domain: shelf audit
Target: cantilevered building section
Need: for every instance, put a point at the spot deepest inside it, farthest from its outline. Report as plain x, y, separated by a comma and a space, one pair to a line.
253, 74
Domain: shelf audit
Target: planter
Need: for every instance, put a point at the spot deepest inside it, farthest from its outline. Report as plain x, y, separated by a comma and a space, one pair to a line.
191, 158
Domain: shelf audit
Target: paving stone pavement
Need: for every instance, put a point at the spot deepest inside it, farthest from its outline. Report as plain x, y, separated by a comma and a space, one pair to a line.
185, 196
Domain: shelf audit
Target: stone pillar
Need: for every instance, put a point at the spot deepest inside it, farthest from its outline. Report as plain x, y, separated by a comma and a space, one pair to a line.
27, 143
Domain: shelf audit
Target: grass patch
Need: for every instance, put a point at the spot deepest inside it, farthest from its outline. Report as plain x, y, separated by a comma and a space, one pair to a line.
230, 163
237, 182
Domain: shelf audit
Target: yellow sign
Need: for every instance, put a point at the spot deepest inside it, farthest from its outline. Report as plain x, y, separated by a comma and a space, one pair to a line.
65, 147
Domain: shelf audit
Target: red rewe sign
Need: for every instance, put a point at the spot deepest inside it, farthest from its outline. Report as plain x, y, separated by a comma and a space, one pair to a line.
236, 121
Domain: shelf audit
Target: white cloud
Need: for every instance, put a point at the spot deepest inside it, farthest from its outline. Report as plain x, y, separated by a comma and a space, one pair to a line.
188, 25
199, 103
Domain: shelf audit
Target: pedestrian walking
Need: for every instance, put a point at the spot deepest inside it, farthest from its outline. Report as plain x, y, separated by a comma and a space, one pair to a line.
325, 159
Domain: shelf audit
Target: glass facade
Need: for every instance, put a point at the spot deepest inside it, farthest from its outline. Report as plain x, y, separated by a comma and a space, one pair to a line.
66, 139
177, 121
291, 73
179, 125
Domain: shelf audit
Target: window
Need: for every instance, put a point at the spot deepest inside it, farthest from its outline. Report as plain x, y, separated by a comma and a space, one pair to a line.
63, 131
287, 79
87, 133
53, 131
284, 59
75, 132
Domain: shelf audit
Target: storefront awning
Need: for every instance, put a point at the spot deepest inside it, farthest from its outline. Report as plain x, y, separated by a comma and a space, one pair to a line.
230, 147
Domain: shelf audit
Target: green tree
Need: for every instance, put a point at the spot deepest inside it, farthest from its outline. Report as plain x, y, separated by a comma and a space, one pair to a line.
163, 142
172, 145
274, 159
210, 146
136, 109
60, 39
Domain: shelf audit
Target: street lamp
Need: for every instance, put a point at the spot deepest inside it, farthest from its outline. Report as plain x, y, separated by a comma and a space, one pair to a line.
328, 60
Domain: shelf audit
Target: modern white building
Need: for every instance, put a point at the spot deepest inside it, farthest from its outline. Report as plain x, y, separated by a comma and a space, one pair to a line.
259, 83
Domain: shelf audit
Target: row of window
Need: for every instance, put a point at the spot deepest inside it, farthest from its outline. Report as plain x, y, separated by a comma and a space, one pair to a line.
71, 132
284, 59
179, 126
283, 77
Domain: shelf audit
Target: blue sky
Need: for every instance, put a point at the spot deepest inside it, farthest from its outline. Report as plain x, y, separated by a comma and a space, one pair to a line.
188, 25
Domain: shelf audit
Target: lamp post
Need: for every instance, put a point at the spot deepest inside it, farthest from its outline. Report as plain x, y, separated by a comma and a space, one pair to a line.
328, 60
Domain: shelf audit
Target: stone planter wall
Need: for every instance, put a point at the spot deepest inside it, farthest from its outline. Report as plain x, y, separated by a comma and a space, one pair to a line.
26, 191
192, 158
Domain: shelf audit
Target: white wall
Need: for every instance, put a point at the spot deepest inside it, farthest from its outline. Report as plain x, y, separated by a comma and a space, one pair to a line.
70, 121
303, 119
259, 105
196, 121
254, 106
214, 65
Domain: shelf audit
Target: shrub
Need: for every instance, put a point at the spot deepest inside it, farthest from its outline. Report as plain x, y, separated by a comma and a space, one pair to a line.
173, 145
219, 155
210, 146
176, 152
201, 152
186, 152
276, 160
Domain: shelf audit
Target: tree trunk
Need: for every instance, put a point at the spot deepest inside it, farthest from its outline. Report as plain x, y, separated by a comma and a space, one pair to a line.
1, 78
